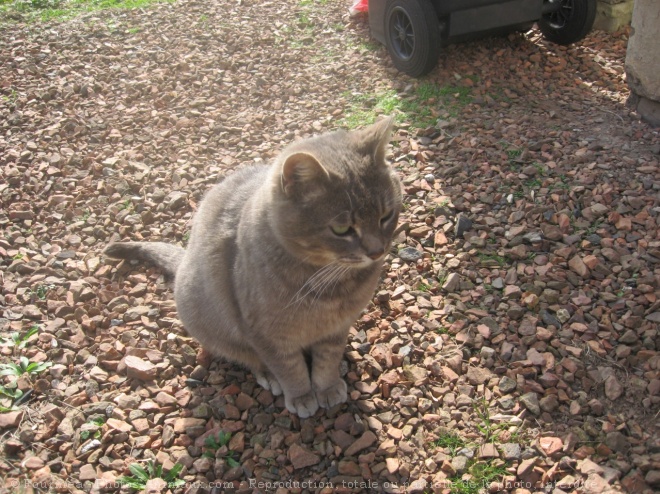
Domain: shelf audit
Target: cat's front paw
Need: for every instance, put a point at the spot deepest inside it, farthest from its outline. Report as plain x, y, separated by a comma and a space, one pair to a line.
304, 406
334, 395
268, 381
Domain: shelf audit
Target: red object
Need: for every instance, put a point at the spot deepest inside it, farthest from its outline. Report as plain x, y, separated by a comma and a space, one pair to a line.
359, 6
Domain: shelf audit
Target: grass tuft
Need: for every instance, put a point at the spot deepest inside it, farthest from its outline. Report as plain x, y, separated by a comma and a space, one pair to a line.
428, 103
46, 10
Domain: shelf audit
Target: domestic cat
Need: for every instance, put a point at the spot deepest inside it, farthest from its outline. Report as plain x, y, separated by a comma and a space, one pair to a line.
283, 258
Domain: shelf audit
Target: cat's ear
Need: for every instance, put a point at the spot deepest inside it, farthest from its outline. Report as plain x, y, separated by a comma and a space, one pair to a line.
301, 172
377, 137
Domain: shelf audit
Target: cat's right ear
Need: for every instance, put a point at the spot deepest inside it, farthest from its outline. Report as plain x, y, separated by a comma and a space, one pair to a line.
300, 172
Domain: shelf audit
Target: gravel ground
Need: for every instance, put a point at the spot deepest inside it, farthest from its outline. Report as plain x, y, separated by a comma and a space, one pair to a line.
512, 344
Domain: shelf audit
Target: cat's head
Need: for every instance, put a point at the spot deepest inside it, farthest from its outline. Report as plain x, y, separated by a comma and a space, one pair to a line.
336, 199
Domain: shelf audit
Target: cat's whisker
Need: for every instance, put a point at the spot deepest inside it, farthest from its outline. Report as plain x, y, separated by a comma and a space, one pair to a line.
330, 281
323, 283
310, 285
330, 278
334, 285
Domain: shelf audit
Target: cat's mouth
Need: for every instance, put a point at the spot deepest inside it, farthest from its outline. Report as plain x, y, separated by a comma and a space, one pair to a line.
359, 262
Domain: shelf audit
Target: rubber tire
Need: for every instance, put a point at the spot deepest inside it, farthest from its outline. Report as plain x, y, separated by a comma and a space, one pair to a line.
577, 26
426, 30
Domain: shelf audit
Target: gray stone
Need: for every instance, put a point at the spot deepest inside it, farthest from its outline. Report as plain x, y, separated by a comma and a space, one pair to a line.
463, 224
511, 451
478, 375
410, 254
507, 402
550, 319
507, 385
531, 402
459, 463
417, 487
613, 388
653, 478
629, 337
616, 441
452, 283
176, 199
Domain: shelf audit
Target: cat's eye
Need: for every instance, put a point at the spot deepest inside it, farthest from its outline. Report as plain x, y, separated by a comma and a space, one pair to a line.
341, 230
387, 217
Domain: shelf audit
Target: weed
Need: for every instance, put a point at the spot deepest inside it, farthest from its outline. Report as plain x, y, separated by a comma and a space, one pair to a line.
594, 227
140, 476
484, 424
368, 46
338, 26
42, 290
18, 341
481, 476
421, 109
539, 167
308, 3
451, 441
219, 441
87, 433
518, 194
492, 260
423, 287
44, 10
18, 257
12, 98
24, 366
12, 393
533, 183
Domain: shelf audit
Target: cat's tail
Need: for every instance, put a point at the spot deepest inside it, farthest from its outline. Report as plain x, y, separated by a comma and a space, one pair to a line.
165, 256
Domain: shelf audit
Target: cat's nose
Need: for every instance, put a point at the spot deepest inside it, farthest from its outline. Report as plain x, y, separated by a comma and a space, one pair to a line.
375, 255
373, 246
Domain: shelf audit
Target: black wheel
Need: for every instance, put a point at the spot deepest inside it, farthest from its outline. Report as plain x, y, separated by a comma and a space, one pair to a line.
570, 22
412, 34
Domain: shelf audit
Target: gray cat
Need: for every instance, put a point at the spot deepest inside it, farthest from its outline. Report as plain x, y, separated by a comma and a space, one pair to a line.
283, 258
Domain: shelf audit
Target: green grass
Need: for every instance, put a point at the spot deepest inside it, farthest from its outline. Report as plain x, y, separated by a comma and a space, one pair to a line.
17, 340
492, 259
86, 434
214, 443
451, 441
533, 183
481, 475
140, 476
24, 366
421, 109
46, 10
486, 427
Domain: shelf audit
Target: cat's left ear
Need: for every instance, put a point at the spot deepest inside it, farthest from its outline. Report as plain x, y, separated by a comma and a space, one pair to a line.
380, 134
301, 172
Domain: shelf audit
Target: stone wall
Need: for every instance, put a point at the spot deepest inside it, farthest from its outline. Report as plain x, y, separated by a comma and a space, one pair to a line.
612, 15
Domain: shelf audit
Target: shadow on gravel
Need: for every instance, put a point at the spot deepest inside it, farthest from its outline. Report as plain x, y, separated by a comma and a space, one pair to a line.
512, 342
